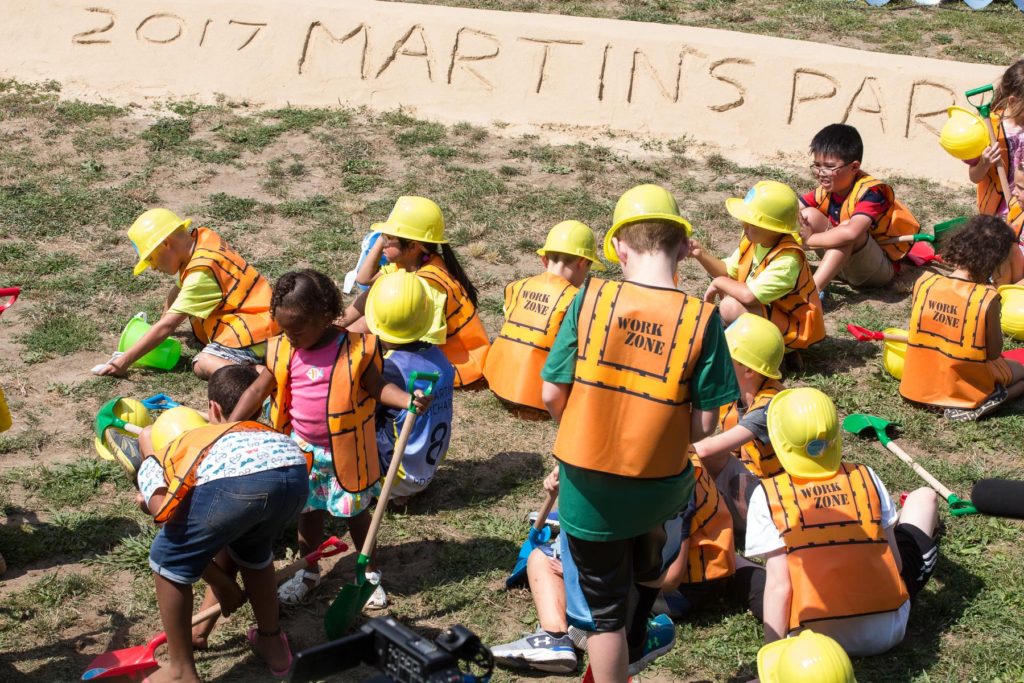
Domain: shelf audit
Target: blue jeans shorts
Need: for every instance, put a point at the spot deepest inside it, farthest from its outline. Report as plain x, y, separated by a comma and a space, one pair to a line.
244, 514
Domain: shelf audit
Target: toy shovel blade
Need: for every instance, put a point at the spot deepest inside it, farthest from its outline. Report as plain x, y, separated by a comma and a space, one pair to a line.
922, 253
125, 662
349, 604
863, 333
858, 423
105, 419
945, 226
11, 295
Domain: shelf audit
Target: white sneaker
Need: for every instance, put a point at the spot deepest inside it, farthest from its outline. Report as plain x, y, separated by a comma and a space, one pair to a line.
295, 590
378, 599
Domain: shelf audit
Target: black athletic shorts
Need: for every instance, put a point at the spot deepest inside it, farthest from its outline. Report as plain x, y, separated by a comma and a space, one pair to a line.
919, 554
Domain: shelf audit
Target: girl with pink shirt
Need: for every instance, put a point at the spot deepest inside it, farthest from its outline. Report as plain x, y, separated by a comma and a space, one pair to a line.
324, 383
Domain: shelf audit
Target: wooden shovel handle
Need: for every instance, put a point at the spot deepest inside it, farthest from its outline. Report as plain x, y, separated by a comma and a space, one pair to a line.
389, 481
922, 472
901, 239
1004, 182
545, 510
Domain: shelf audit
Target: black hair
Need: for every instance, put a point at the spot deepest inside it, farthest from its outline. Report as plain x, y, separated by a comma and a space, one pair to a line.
451, 264
309, 292
838, 140
980, 246
228, 384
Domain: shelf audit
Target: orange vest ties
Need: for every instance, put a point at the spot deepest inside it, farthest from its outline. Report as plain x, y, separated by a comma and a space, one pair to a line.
467, 342
180, 459
990, 190
757, 457
243, 317
350, 408
629, 409
712, 553
839, 558
534, 309
947, 351
798, 315
895, 222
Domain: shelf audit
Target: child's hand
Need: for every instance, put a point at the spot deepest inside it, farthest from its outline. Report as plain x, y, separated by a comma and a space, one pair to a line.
551, 481
990, 156
111, 369
695, 250
140, 500
712, 293
805, 227
420, 401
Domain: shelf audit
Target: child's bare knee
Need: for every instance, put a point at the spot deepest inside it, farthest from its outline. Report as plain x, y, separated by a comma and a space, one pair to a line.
730, 309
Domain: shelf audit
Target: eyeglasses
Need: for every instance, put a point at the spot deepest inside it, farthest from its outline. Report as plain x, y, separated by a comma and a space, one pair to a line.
826, 171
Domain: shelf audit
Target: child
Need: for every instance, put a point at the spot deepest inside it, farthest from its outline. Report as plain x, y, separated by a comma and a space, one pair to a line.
638, 371
326, 383
768, 274
1012, 269
756, 347
1007, 113
399, 312
839, 558
954, 339
849, 218
534, 308
207, 496
225, 299
413, 235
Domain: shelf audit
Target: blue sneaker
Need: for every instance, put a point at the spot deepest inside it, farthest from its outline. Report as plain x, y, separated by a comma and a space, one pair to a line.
540, 652
661, 637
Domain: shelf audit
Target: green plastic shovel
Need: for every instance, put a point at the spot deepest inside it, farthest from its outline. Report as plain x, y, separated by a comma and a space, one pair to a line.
106, 418
346, 608
984, 107
858, 424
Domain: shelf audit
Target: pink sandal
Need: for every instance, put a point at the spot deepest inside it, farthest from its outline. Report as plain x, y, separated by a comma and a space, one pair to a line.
253, 634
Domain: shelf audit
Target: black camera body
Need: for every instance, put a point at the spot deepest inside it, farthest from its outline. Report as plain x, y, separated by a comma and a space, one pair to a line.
399, 654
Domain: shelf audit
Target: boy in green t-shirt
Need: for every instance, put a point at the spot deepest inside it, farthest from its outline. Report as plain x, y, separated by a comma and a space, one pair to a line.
637, 372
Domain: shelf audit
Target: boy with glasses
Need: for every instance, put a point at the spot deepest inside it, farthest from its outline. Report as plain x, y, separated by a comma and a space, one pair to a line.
850, 219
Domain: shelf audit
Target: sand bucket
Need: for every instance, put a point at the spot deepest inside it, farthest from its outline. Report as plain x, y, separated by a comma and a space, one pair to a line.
894, 353
1012, 314
163, 357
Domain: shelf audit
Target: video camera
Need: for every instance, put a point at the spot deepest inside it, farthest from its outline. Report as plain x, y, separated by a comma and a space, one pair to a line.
402, 656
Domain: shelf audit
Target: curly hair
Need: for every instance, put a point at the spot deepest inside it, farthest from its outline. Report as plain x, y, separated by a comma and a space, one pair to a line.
980, 246
309, 292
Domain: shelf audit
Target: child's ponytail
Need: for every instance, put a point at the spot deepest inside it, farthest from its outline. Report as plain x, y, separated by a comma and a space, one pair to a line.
454, 268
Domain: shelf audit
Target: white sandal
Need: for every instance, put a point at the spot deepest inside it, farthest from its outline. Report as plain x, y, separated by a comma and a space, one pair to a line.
295, 590
378, 599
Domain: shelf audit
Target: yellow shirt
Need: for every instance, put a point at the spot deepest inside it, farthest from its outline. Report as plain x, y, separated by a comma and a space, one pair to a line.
438, 333
199, 296
775, 282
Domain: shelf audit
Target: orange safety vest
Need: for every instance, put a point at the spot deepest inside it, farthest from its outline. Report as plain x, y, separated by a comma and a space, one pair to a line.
180, 459
534, 308
1015, 217
712, 553
467, 342
839, 558
243, 316
629, 409
990, 190
350, 407
798, 315
895, 222
757, 457
947, 360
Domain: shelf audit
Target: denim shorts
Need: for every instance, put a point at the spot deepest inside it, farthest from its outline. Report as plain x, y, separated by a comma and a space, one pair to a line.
244, 514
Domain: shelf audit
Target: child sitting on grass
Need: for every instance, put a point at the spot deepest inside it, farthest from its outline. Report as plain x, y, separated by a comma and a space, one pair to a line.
412, 239
326, 383
955, 339
233, 485
850, 217
224, 298
840, 560
534, 308
399, 312
767, 275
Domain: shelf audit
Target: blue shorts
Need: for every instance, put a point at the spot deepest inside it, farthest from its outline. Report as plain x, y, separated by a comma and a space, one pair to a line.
244, 514
242, 356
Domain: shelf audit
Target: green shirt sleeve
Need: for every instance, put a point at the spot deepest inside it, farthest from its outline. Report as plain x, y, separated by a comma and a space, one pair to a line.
560, 367
200, 295
714, 380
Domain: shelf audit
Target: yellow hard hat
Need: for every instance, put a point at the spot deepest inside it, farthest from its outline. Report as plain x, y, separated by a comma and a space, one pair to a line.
398, 308
573, 238
804, 431
150, 230
1012, 314
808, 658
770, 205
172, 424
131, 411
894, 353
964, 135
415, 218
643, 203
756, 343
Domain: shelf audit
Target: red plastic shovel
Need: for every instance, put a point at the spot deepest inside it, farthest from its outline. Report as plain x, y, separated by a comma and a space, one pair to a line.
923, 253
864, 334
133, 660
11, 293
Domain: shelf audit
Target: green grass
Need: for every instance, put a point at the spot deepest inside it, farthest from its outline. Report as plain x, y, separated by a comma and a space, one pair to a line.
62, 333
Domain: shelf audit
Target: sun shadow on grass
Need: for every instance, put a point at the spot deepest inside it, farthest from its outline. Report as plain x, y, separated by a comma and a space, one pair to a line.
474, 483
